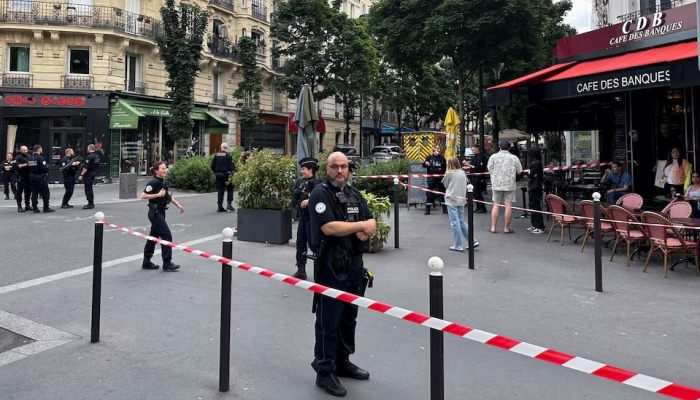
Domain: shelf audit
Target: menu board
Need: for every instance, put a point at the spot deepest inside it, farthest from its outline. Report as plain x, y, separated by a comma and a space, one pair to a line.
620, 145
114, 158
416, 196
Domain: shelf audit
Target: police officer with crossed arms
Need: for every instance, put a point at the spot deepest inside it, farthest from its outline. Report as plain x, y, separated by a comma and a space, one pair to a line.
37, 180
341, 226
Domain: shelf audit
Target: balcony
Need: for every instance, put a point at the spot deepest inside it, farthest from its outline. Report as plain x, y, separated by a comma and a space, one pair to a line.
135, 87
279, 65
252, 104
278, 106
225, 4
79, 16
77, 81
16, 79
259, 11
219, 99
260, 49
665, 5
224, 48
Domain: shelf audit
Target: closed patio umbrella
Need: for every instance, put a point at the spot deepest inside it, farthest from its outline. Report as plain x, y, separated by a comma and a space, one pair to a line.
306, 118
451, 123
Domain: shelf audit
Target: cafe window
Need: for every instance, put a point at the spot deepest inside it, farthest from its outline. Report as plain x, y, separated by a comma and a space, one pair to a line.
76, 121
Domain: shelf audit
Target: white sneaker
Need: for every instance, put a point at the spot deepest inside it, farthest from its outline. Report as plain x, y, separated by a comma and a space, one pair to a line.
538, 231
476, 244
455, 248
530, 229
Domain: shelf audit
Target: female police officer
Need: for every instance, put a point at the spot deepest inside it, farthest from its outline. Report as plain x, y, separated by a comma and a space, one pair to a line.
156, 193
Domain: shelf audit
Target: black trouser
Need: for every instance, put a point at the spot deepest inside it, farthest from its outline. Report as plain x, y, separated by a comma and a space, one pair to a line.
302, 239
534, 203
479, 189
159, 229
221, 185
668, 186
9, 181
23, 188
88, 180
38, 186
69, 184
434, 184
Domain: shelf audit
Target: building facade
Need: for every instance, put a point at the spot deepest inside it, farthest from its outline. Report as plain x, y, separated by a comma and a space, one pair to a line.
610, 12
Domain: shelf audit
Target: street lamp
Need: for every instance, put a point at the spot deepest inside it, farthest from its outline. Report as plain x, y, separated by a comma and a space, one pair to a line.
496, 125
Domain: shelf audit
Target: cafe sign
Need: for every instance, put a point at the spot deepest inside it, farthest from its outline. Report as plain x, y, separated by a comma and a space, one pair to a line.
624, 82
644, 28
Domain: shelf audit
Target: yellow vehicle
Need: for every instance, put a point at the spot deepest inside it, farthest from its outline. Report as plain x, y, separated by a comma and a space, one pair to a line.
419, 145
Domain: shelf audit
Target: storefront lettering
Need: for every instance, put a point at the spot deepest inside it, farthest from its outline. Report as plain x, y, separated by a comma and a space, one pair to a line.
121, 125
60, 101
623, 82
645, 27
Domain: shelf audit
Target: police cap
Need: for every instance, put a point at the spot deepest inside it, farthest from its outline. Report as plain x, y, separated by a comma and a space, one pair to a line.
309, 162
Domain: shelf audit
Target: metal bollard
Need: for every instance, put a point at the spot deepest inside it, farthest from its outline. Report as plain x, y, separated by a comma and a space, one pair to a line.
97, 277
225, 337
470, 223
598, 236
437, 350
396, 212
525, 213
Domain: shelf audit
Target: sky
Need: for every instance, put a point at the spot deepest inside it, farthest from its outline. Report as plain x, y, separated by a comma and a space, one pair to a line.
580, 15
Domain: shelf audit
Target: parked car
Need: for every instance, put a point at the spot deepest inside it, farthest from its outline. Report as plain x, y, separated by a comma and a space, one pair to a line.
386, 152
351, 152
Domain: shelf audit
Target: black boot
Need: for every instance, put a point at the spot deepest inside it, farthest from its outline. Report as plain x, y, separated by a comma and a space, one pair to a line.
230, 207
331, 385
27, 207
89, 205
20, 209
220, 208
47, 209
7, 197
65, 206
427, 209
301, 273
36, 210
170, 266
147, 264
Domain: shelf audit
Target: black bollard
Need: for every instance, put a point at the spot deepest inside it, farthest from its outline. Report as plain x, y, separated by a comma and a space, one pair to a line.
397, 190
437, 350
225, 337
525, 213
97, 278
470, 223
598, 238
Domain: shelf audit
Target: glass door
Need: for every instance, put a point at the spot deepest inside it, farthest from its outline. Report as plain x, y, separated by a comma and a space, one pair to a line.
60, 141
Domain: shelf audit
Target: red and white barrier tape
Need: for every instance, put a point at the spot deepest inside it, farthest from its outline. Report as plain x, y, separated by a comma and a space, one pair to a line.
580, 364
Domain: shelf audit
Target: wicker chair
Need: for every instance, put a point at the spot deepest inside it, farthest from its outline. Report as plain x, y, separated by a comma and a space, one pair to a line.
563, 217
587, 211
631, 201
625, 231
666, 240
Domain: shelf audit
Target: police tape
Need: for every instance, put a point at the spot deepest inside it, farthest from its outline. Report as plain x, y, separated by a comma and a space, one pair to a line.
590, 367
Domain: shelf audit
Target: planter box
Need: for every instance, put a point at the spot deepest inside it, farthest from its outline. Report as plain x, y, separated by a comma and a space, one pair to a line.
375, 245
264, 226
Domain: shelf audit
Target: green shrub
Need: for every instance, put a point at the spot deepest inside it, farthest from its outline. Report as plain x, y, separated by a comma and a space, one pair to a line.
265, 181
379, 206
384, 186
236, 154
193, 173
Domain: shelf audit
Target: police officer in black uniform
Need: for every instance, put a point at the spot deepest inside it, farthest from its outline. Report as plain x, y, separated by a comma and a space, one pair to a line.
87, 175
303, 187
37, 180
478, 166
9, 176
21, 165
436, 164
341, 226
156, 193
69, 167
223, 167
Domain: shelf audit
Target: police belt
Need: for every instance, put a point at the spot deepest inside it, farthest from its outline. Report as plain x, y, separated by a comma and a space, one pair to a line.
37, 175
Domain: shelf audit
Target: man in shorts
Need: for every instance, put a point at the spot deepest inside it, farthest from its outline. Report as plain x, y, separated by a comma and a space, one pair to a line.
504, 168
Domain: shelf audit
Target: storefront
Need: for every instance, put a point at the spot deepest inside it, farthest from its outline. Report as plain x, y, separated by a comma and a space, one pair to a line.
56, 120
620, 93
139, 135
294, 130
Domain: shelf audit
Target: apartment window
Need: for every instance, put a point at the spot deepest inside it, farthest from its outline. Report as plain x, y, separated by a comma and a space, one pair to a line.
364, 9
218, 85
319, 107
352, 11
19, 59
353, 135
257, 36
337, 137
243, 4
79, 61
243, 32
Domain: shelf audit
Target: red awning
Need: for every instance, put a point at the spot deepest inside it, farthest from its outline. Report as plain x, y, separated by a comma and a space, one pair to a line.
535, 76
320, 125
674, 52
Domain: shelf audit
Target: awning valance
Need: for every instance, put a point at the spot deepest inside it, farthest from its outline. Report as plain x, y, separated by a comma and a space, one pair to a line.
125, 114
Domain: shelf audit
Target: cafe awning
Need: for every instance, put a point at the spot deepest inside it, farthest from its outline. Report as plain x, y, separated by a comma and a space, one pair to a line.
125, 114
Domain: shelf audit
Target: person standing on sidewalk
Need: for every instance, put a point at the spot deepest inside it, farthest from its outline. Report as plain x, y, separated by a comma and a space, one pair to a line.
479, 164
504, 168
21, 166
9, 176
455, 182
70, 170
534, 188
223, 168
87, 176
302, 191
37, 180
435, 164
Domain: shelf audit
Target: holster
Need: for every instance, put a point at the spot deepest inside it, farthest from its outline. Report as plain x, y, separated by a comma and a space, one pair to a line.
367, 281
319, 269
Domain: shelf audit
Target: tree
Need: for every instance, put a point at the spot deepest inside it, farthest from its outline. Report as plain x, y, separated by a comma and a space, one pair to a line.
181, 50
249, 89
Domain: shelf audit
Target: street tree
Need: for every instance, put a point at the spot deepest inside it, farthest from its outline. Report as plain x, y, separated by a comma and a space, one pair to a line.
181, 50
249, 89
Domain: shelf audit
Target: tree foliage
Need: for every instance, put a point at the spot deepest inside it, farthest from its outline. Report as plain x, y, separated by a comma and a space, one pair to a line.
180, 49
249, 89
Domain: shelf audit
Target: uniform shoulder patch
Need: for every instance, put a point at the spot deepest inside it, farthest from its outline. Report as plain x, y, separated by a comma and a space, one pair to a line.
149, 188
320, 208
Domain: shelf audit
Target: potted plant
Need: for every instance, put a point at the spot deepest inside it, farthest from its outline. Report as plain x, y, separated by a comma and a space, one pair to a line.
264, 186
378, 206
148, 20
139, 18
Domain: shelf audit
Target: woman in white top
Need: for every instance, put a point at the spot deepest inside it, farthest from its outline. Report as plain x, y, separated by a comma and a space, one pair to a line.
455, 182
677, 173
693, 194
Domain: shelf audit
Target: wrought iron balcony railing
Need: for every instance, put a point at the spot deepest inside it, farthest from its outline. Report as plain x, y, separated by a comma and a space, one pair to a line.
259, 11
278, 106
260, 49
219, 99
665, 5
225, 4
278, 65
78, 15
224, 48
135, 87
77, 81
16, 79
252, 104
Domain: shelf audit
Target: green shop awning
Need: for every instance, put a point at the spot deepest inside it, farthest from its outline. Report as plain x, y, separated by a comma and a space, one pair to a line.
216, 125
125, 114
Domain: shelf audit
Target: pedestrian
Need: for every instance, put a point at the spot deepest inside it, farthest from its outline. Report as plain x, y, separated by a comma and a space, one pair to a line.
435, 164
223, 168
535, 187
9, 176
87, 175
245, 156
38, 170
156, 192
455, 182
21, 164
69, 168
478, 168
504, 168
341, 226
303, 187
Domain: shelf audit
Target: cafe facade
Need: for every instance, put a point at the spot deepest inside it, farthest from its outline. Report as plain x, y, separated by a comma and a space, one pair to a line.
616, 92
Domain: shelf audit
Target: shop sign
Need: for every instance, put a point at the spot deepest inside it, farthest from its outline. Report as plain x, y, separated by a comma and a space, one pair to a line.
45, 101
645, 27
122, 118
624, 82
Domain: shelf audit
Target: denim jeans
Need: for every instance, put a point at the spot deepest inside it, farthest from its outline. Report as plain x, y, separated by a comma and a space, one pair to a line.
458, 224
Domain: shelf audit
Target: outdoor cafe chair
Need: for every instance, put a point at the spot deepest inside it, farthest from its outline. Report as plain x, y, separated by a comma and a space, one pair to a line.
587, 212
666, 240
668, 206
631, 201
626, 231
563, 216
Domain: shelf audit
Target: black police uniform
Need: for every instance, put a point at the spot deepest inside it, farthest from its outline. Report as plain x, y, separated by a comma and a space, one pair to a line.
222, 166
302, 191
91, 162
338, 265
37, 182
480, 164
9, 178
437, 165
22, 182
69, 175
159, 228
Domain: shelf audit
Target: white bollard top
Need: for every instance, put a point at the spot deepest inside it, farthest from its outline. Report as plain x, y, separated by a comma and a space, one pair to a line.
470, 188
396, 181
596, 196
227, 233
99, 217
436, 265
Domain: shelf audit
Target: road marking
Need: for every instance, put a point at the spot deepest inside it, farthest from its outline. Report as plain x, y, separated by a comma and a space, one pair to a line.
79, 271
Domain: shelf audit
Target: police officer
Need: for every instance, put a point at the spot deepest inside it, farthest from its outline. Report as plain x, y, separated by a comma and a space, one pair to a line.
301, 191
9, 176
70, 170
341, 226
156, 192
479, 167
223, 168
87, 175
21, 166
436, 164
37, 180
